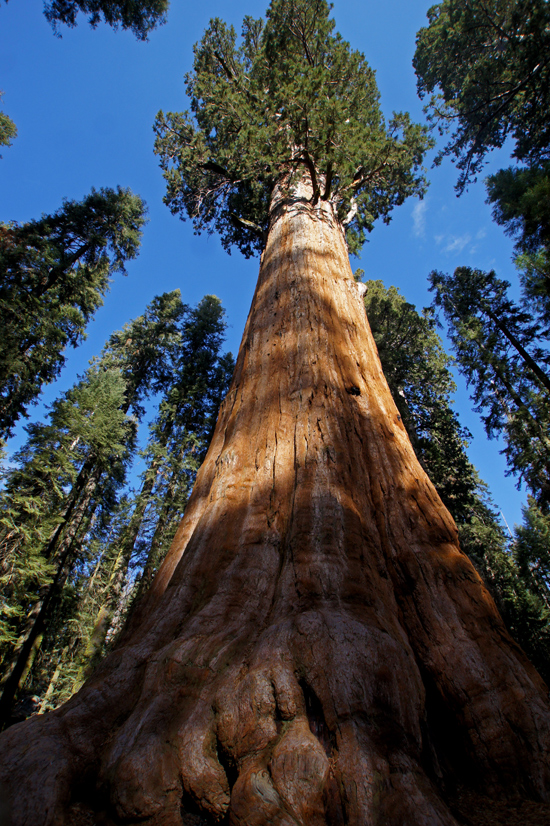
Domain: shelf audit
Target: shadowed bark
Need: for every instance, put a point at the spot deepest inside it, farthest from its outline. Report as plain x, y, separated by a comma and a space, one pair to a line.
315, 649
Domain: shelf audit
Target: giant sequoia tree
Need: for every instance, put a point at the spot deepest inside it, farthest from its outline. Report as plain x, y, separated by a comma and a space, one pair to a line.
315, 648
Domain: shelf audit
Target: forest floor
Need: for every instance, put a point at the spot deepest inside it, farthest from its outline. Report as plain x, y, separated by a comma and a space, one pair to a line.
473, 809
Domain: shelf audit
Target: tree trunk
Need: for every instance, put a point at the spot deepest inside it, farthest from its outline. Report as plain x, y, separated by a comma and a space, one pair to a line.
166, 520
315, 648
36, 621
528, 360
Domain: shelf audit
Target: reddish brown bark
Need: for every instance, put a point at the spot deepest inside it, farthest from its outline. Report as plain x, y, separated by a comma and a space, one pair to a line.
315, 649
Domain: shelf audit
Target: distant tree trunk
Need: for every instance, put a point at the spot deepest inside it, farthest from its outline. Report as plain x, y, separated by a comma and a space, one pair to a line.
36, 621
315, 648
166, 520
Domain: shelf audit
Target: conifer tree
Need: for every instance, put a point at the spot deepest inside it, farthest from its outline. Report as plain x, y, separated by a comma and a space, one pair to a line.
503, 352
523, 606
532, 548
485, 65
417, 370
520, 198
54, 274
183, 428
68, 469
197, 380
290, 100
87, 439
314, 627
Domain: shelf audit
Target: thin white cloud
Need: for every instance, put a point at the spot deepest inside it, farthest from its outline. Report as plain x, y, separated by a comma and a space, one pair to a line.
457, 243
481, 234
419, 219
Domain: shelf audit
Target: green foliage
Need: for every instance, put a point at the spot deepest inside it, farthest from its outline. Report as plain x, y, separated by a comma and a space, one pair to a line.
140, 16
503, 353
523, 609
417, 370
55, 271
521, 199
291, 98
171, 350
145, 348
8, 129
534, 273
487, 63
521, 203
179, 435
79, 616
86, 423
532, 548
65, 488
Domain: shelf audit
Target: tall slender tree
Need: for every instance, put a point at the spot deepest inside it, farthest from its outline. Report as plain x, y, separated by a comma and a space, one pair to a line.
532, 548
198, 379
49, 500
315, 648
182, 431
417, 371
503, 352
54, 274
77, 457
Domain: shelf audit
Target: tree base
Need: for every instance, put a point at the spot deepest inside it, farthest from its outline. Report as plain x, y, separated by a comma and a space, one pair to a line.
467, 807
473, 809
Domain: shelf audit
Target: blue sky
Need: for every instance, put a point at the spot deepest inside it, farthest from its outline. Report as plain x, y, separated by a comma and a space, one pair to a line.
84, 105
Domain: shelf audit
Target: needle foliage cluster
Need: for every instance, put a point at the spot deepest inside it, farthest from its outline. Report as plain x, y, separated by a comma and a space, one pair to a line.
55, 272
486, 66
502, 350
139, 16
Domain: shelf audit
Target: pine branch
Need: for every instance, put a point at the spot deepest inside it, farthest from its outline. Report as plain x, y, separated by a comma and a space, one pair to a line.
250, 225
328, 182
212, 166
307, 160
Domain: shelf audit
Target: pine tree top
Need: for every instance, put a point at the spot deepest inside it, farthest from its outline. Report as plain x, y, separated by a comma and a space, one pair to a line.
290, 98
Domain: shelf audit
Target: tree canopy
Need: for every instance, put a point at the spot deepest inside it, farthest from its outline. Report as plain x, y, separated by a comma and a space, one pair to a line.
485, 64
503, 352
140, 16
290, 98
54, 273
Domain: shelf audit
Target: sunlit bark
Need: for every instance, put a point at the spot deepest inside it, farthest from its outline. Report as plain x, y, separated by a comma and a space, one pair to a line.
315, 649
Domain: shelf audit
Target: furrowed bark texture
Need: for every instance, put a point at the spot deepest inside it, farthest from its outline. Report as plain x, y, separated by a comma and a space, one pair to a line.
315, 649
